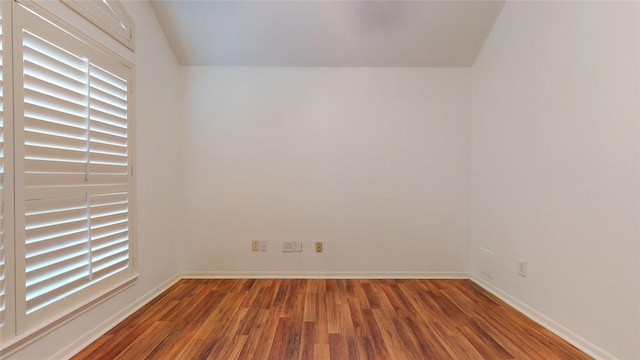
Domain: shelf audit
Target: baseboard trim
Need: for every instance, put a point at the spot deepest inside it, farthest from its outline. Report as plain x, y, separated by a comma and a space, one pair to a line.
322, 275
112, 321
535, 315
543, 320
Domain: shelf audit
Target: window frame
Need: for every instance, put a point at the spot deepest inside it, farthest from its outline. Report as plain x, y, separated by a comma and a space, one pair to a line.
93, 11
18, 332
7, 331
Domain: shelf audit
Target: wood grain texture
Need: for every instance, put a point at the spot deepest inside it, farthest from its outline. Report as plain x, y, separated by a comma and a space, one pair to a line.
328, 319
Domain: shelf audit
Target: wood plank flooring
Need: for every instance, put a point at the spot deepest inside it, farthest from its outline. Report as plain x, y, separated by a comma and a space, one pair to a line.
276, 319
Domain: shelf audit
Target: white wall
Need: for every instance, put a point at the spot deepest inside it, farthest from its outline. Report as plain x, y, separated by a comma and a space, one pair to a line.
555, 164
157, 128
373, 162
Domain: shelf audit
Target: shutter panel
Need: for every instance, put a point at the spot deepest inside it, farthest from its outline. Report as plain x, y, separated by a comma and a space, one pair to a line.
74, 187
56, 154
57, 261
109, 218
55, 112
108, 128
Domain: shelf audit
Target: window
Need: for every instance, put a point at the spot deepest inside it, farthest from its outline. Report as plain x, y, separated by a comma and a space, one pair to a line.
109, 15
71, 183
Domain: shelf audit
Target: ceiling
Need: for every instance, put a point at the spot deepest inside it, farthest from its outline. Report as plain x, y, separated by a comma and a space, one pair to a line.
326, 33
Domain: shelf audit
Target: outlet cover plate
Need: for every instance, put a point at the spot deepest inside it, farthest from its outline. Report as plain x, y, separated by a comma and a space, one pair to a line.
287, 246
522, 268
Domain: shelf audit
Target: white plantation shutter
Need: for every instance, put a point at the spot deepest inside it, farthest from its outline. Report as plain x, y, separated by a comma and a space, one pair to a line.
55, 114
109, 221
73, 181
56, 249
108, 137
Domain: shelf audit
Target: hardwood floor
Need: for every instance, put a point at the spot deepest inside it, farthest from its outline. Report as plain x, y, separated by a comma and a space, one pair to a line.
328, 319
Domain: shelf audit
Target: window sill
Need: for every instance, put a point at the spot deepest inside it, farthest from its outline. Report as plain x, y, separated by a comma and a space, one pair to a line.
21, 341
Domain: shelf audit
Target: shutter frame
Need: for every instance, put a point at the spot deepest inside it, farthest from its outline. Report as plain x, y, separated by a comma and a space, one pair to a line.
76, 144
7, 244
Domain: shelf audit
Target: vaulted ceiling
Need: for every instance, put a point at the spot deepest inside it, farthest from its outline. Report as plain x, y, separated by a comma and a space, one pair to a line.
326, 33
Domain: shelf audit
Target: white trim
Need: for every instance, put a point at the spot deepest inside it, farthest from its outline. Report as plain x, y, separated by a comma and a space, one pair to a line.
90, 11
114, 320
20, 342
533, 314
566, 334
322, 275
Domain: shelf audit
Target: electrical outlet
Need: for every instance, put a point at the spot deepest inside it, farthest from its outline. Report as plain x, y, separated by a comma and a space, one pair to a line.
264, 245
319, 247
255, 245
287, 246
297, 246
522, 268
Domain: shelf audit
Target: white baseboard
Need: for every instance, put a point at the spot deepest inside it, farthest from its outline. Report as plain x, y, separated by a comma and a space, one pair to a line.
536, 316
322, 275
543, 320
114, 320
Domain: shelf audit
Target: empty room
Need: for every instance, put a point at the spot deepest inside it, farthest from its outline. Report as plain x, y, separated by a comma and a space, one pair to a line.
319, 179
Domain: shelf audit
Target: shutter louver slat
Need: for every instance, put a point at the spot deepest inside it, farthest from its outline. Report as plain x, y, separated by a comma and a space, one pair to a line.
60, 106
64, 287
106, 159
100, 242
39, 76
54, 141
111, 265
101, 126
108, 97
108, 136
38, 84
110, 80
52, 219
62, 241
38, 117
103, 135
58, 58
117, 115
55, 232
53, 154
50, 166
109, 233
46, 77
58, 226
106, 148
109, 123
53, 267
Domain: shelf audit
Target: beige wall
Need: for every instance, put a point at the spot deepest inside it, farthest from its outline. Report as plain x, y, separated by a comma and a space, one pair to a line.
371, 161
555, 165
